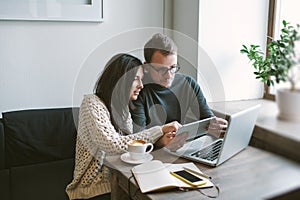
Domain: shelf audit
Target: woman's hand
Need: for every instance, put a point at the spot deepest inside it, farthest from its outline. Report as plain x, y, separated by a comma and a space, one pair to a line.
177, 142
169, 130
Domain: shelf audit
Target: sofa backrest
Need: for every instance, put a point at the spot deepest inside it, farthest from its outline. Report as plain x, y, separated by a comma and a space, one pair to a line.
41, 135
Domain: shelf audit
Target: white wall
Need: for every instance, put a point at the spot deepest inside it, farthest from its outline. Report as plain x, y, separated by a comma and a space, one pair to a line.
220, 28
52, 64
42, 63
186, 22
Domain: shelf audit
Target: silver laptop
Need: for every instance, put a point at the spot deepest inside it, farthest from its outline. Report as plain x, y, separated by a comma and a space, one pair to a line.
204, 148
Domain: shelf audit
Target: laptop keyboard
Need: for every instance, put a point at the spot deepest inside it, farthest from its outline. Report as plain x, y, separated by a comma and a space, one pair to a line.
210, 152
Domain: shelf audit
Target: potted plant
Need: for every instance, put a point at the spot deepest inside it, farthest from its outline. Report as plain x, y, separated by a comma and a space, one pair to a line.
280, 64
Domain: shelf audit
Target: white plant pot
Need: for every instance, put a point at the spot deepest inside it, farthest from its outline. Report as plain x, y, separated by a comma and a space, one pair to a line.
288, 103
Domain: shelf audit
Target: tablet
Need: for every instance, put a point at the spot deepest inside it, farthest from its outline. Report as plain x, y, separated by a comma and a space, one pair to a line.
195, 129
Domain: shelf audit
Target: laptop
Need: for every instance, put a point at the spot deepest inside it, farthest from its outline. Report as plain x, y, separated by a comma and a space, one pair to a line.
204, 148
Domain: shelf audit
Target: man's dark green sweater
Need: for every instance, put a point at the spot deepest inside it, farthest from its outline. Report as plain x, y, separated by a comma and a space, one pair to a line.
157, 105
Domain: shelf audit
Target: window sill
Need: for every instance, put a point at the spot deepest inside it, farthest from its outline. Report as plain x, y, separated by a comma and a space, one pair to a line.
270, 133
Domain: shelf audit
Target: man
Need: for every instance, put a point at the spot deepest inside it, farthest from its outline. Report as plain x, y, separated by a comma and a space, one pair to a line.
168, 95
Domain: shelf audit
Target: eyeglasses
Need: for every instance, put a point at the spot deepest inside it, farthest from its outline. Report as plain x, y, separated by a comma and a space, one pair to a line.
163, 70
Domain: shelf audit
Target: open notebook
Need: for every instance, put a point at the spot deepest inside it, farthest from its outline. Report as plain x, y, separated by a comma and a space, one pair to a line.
155, 175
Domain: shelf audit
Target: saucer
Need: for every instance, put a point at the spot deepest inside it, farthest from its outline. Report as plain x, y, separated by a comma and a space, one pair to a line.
126, 158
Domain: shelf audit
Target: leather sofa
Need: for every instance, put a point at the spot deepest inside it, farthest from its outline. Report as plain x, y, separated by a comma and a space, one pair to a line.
37, 149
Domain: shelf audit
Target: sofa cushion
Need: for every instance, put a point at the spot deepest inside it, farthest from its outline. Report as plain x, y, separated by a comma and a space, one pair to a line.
2, 158
42, 135
46, 181
4, 184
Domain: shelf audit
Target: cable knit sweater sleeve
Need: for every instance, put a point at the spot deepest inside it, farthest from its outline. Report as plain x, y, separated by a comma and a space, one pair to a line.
96, 117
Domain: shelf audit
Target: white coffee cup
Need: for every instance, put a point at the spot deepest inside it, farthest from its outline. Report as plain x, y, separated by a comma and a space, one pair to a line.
138, 149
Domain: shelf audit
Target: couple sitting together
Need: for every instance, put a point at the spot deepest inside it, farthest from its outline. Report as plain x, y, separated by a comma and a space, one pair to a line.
133, 100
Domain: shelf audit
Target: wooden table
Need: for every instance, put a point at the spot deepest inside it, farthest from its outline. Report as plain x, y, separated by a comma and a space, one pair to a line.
251, 174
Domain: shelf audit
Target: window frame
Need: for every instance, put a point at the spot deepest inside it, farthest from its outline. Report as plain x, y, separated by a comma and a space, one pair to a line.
271, 33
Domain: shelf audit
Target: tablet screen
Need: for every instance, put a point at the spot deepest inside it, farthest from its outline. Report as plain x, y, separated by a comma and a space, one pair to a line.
195, 129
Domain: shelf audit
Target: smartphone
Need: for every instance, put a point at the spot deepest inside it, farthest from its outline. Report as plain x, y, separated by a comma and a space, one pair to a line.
188, 177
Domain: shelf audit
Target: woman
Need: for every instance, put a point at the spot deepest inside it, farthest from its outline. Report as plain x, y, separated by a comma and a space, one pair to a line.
105, 126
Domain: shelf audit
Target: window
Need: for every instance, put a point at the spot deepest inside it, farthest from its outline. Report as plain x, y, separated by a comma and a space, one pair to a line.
281, 10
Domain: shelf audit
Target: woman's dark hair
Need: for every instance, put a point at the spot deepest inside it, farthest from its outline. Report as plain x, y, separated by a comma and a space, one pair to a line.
114, 84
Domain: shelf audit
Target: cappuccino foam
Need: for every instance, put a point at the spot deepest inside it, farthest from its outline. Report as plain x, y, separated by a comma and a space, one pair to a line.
137, 142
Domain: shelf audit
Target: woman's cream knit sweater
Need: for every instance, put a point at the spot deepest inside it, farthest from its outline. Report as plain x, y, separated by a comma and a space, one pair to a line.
97, 137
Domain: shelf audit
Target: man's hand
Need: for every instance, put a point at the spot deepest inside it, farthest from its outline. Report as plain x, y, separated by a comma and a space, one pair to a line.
217, 127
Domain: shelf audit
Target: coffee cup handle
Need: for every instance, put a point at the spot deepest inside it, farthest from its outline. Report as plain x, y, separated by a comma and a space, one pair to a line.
151, 147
